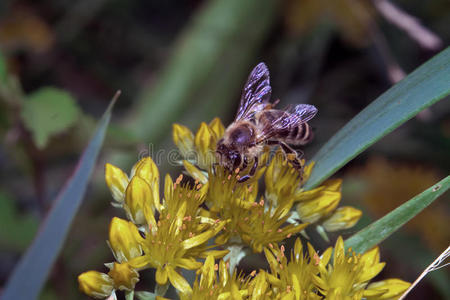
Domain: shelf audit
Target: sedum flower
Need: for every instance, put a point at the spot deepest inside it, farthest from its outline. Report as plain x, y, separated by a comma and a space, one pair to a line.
320, 202
342, 218
294, 277
124, 276
386, 289
348, 274
215, 282
96, 284
122, 192
252, 223
124, 240
178, 237
200, 148
100, 285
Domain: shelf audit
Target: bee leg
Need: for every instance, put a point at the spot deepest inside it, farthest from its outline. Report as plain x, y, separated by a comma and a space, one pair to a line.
251, 173
245, 163
292, 156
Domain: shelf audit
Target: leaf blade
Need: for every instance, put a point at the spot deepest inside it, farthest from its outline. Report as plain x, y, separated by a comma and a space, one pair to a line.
379, 230
32, 270
422, 88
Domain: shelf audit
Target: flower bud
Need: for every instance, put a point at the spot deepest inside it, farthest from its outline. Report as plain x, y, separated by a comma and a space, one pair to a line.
319, 202
386, 289
137, 195
124, 276
124, 240
117, 182
184, 139
95, 284
343, 218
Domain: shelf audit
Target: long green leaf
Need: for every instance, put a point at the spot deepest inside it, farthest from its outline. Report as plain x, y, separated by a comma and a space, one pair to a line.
32, 270
379, 230
423, 87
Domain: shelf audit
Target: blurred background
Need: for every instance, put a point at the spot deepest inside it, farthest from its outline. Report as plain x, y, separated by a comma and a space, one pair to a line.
186, 61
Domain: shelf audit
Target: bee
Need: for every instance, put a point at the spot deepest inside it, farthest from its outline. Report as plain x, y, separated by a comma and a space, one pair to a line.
257, 124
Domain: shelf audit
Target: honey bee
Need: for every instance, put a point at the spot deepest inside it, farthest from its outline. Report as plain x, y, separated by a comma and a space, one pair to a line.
258, 124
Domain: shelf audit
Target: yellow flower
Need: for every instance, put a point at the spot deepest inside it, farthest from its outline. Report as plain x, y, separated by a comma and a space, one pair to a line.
349, 274
100, 285
320, 202
179, 237
255, 224
283, 182
184, 139
199, 149
386, 289
264, 226
343, 217
118, 183
293, 277
124, 240
215, 282
96, 284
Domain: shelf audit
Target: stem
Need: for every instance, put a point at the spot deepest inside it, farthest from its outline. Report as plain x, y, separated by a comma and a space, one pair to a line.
435, 265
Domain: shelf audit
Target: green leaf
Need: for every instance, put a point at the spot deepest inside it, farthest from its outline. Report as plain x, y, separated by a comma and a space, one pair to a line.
145, 295
378, 231
3, 68
17, 230
32, 270
423, 87
129, 295
47, 112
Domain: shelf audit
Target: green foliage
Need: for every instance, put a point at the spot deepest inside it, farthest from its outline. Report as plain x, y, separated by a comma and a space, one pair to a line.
210, 55
378, 231
145, 295
423, 87
17, 231
32, 270
47, 112
3, 68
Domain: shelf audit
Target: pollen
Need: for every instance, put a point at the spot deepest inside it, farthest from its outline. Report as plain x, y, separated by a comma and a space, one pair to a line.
253, 273
237, 170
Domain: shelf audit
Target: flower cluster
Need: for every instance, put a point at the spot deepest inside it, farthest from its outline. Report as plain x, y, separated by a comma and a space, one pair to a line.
214, 216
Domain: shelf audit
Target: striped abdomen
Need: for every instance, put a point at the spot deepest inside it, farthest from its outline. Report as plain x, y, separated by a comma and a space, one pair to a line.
299, 135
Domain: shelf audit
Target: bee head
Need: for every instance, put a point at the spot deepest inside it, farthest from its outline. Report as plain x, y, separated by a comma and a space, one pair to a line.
228, 155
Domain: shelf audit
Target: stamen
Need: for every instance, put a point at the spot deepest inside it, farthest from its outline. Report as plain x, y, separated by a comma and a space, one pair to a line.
316, 259
237, 170
253, 273
289, 235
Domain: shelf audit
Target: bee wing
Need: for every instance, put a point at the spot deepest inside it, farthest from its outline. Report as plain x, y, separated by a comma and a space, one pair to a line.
293, 116
256, 93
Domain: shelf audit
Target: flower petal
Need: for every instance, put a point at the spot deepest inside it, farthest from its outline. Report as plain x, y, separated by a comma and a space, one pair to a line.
178, 281
124, 240
117, 182
96, 284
